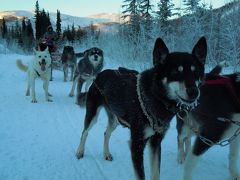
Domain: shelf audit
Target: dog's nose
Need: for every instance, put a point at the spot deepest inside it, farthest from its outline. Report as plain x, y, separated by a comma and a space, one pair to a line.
43, 61
95, 56
192, 92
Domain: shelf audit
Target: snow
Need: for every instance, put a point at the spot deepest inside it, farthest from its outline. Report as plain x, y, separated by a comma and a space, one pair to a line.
39, 141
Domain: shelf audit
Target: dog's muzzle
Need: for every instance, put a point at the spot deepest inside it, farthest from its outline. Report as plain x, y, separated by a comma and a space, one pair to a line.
43, 64
193, 93
95, 57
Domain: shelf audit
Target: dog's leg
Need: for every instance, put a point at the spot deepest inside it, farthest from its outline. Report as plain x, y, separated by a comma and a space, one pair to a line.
88, 84
112, 124
180, 139
65, 72
28, 86
51, 77
32, 82
73, 68
233, 157
75, 80
181, 153
92, 108
137, 145
45, 87
155, 155
193, 157
79, 88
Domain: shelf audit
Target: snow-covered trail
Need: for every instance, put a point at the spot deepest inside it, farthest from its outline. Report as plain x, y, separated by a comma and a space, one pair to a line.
39, 141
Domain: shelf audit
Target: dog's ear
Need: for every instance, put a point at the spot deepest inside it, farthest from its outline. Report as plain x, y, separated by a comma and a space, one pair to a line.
200, 50
46, 50
34, 50
160, 52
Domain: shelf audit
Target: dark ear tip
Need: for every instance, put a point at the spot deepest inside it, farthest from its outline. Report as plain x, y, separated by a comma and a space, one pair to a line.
203, 39
159, 40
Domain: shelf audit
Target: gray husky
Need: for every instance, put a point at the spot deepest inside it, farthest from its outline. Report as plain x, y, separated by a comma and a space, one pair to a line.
146, 102
87, 69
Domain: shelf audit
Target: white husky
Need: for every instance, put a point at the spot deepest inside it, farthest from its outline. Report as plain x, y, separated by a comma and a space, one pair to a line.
38, 67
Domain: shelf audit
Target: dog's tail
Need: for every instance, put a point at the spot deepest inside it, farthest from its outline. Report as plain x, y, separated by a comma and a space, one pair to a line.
218, 68
82, 99
21, 66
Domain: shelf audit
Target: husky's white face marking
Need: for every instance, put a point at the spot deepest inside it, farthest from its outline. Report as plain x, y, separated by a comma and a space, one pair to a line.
42, 60
95, 56
177, 90
193, 68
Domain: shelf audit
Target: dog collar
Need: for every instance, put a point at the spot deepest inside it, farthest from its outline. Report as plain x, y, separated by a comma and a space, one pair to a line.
158, 125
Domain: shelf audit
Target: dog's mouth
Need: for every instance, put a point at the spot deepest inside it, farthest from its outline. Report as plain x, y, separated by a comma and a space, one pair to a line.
43, 65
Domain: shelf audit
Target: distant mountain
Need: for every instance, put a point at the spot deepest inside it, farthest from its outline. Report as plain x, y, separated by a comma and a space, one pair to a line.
104, 18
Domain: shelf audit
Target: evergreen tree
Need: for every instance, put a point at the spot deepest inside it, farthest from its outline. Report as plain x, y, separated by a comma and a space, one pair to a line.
37, 21
73, 33
191, 5
164, 12
4, 29
145, 9
29, 36
58, 24
23, 26
132, 14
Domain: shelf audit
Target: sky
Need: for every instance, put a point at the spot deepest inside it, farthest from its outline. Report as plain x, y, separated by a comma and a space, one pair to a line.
79, 7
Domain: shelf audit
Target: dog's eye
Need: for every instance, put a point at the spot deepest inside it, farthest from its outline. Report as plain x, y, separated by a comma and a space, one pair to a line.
45, 56
180, 68
193, 68
39, 56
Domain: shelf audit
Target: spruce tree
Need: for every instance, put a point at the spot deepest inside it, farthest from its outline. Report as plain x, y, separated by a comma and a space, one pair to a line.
164, 12
4, 29
191, 5
37, 21
145, 8
132, 14
58, 24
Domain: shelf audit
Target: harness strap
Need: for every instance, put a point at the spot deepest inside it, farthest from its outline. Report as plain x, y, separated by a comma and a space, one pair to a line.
37, 73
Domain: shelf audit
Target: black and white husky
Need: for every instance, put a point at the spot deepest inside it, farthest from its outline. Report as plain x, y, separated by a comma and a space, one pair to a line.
216, 120
145, 102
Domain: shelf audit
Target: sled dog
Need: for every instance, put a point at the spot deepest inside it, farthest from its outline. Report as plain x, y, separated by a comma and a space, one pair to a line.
215, 121
38, 67
69, 61
87, 69
146, 102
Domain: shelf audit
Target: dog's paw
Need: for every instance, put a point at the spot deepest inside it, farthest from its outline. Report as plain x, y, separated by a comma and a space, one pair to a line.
108, 157
49, 100
181, 157
34, 101
235, 176
70, 95
49, 94
79, 155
